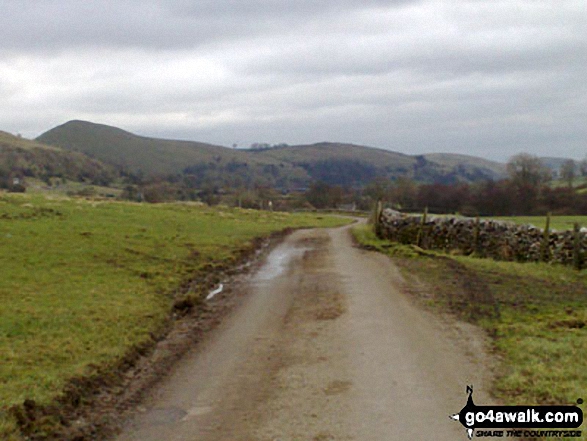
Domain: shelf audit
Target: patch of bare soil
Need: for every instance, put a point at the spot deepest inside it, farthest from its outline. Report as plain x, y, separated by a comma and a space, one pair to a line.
450, 286
457, 298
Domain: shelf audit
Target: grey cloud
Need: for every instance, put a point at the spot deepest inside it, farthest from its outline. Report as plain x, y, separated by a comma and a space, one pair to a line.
358, 52
55, 25
488, 78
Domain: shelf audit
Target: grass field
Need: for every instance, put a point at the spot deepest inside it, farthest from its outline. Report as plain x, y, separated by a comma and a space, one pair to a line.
559, 223
59, 188
578, 181
536, 314
82, 281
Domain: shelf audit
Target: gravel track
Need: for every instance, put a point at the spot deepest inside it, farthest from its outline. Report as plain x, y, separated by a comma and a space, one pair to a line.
324, 346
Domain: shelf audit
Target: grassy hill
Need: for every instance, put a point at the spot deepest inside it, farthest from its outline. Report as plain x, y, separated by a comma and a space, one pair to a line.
467, 163
289, 166
150, 155
23, 158
342, 164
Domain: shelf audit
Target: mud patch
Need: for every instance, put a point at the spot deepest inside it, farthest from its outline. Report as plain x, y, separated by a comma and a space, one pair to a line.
302, 402
337, 387
331, 312
475, 298
323, 436
326, 302
569, 324
315, 242
455, 298
165, 416
450, 285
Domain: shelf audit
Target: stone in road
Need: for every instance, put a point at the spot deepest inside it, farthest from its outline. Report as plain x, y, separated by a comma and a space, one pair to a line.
325, 347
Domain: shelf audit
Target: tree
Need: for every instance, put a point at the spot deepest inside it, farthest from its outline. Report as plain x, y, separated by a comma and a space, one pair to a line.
568, 172
322, 195
443, 198
379, 189
527, 174
524, 169
404, 192
494, 198
583, 167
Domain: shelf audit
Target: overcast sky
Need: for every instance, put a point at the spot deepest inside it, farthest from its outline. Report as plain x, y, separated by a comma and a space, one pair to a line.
481, 77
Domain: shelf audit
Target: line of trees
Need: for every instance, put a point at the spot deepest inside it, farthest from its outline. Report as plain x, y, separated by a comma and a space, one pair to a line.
526, 191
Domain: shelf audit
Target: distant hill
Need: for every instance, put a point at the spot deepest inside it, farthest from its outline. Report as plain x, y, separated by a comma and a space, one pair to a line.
339, 164
285, 167
554, 163
150, 155
22, 158
468, 165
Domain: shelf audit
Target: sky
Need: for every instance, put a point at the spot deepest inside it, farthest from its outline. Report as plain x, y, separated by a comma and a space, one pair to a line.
487, 78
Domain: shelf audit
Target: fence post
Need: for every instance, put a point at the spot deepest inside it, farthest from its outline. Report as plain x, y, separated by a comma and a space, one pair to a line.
577, 246
421, 230
377, 218
545, 245
476, 236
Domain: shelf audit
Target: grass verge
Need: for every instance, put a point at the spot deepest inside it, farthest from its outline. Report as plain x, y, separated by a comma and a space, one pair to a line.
536, 314
84, 283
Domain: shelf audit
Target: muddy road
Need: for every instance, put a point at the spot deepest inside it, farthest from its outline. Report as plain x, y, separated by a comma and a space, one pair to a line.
324, 347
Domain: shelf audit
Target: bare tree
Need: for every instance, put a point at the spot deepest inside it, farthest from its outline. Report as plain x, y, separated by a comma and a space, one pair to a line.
526, 169
527, 174
583, 167
568, 172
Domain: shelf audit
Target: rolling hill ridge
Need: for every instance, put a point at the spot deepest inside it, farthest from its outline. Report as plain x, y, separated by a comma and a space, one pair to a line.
282, 167
23, 158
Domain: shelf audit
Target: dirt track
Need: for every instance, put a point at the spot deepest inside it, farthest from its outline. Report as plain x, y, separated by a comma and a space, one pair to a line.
324, 347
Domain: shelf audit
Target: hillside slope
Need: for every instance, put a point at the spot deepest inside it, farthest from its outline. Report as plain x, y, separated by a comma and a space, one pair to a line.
343, 164
150, 155
21, 157
467, 165
286, 167
553, 163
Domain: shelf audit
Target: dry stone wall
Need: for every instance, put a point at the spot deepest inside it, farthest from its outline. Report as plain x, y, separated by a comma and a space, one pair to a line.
485, 238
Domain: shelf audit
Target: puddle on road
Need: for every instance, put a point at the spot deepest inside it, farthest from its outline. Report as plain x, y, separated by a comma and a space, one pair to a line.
278, 262
216, 291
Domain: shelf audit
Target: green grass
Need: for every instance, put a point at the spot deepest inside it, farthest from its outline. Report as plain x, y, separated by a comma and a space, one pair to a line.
60, 188
561, 183
535, 312
542, 330
22, 143
83, 282
23, 157
151, 155
559, 223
